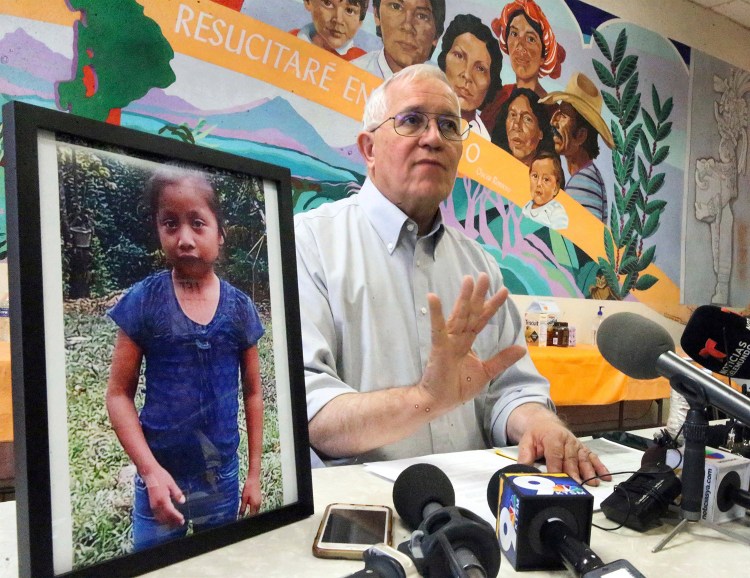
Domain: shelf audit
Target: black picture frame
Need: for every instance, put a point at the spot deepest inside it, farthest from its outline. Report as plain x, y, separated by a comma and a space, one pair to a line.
35, 249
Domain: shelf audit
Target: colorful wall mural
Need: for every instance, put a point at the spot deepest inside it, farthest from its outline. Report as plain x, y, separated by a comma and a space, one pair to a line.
651, 134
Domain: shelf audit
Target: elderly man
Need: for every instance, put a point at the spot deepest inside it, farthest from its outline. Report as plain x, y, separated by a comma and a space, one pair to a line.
410, 30
576, 126
387, 375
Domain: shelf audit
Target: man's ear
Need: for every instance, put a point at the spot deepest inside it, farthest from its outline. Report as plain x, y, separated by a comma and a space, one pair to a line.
582, 133
308, 5
366, 144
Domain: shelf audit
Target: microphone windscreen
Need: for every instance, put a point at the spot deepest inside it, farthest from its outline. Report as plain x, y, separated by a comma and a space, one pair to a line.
418, 486
632, 344
493, 487
719, 340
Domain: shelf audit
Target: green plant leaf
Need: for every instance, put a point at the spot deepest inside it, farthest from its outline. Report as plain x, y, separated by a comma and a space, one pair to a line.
632, 139
620, 46
616, 134
654, 206
650, 124
631, 112
652, 224
647, 257
631, 87
630, 165
609, 247
664, 131
660, 155
609, 275
626, 69
605, 76
646, 151
627, 284
645, 145
642, 172
666, 110
626, 236
655, 184
631, 197
646, 282
629, 265
655, 103
620, 173
614, 228
601, 43
612, 104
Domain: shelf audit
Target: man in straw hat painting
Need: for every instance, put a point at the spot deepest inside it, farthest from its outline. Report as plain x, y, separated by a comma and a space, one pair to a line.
576, 126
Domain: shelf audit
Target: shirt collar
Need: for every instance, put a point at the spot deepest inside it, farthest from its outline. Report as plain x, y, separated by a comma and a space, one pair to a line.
390, 222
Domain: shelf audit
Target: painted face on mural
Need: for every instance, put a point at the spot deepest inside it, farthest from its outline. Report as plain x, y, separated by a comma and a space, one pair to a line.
467, 66
565, 133
416, 173
525, 51
335, 21
543, 180
408, 30
522, 128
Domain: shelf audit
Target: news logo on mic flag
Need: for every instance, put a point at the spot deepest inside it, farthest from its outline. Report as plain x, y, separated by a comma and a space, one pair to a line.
526, 501
718, 339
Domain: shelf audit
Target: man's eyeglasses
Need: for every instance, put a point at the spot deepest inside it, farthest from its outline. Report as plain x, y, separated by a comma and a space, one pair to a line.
414, 123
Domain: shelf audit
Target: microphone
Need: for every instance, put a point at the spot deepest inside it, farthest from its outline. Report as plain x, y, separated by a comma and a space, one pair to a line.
643, 349
447, 541
544, 523
719, 340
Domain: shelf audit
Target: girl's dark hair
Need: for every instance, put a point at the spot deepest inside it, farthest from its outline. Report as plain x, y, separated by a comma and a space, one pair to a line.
541, 112
172, 175
462, 24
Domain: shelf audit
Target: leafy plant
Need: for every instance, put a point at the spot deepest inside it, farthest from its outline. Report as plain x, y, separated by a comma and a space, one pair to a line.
639, 149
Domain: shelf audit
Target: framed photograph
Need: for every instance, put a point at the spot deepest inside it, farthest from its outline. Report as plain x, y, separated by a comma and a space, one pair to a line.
158, 390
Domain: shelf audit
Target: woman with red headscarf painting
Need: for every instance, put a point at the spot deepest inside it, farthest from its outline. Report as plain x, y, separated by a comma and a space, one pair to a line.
525, 35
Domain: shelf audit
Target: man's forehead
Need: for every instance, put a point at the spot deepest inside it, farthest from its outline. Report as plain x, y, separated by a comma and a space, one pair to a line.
424, 95
567, 109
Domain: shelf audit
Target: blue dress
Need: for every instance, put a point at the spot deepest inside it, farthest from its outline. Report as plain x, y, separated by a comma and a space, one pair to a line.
189, 417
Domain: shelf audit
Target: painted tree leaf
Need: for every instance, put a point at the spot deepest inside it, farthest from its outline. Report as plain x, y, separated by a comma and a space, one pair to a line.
627, 284
630, 166
631, 112
626, 69
647, 257
605, 76
629, 265
642, 172
666, 110
631, 87
646, 282
660, 155
655, 206
627, 231
631, 197
645, 145
609, 247
614, 229
655, 102
616, 133
620, 174
601, 43
664, 131
620, 46
640, 202
619, 205
652, 224
646, 150
632, 139
650, 124
609, 275
612, 104
655, 184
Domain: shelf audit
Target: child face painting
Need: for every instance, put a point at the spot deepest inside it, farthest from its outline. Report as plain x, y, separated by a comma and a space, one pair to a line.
188, 229
335, 21
543, 178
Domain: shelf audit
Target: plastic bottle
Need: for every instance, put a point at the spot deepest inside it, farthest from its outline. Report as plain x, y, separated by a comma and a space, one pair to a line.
542, 330
596, 323
4, 318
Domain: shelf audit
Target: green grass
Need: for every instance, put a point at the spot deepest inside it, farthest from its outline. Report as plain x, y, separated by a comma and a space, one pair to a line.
101, 475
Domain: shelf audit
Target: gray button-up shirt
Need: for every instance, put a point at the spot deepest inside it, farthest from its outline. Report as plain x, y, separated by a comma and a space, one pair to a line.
364, 275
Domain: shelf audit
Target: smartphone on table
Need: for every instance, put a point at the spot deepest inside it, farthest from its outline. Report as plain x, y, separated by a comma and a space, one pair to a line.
347, 530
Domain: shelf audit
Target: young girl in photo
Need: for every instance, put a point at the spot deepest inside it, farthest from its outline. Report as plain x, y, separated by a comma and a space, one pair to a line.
198, 336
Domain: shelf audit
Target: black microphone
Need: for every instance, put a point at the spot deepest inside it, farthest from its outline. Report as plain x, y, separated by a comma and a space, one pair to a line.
643, 349
719, 340
544, 522
447, 541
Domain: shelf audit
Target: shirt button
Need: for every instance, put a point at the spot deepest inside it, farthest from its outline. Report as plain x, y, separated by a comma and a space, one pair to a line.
423, 311
419, 263
410, 227
390, 246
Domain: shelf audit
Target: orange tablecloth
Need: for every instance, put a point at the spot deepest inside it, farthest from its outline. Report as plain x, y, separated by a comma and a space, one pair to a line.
6, 405
580, 376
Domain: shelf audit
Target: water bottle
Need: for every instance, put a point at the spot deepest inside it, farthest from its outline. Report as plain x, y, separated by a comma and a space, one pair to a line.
596, 323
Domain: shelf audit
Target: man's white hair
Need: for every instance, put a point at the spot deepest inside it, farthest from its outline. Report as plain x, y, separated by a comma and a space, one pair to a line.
377, 105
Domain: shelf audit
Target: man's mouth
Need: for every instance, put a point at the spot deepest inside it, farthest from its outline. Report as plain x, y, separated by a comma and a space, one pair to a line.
555, 133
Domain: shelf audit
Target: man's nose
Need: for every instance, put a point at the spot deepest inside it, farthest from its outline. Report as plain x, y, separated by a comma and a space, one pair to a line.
409, 20
432, 132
